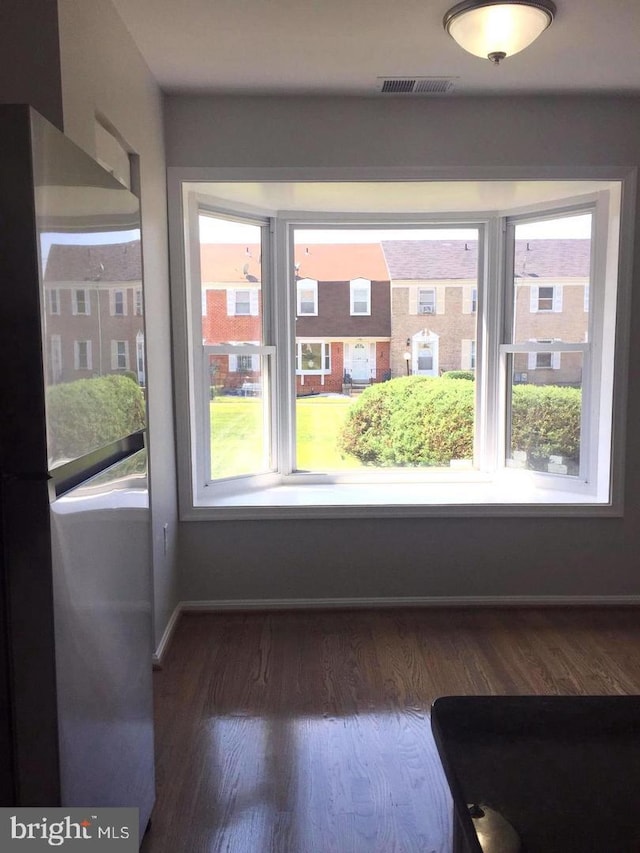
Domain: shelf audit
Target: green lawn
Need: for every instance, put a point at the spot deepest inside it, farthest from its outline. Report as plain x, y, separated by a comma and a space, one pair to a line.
237, 435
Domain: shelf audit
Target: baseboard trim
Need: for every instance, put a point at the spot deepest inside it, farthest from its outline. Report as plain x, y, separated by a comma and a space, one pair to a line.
158, 655
218, 605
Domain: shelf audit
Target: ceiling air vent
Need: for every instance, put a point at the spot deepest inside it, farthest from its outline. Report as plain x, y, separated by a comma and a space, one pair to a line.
415, 85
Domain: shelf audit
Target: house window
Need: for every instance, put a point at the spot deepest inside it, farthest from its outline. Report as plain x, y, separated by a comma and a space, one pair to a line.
120, 355
80, 302
426, 301
360, 297
313, 357
307, 290
243, 363
525, 362
242, 303
56, 359
118, 303
546, 299
468, 355
138, 302
545, 360
82, 359
54, 301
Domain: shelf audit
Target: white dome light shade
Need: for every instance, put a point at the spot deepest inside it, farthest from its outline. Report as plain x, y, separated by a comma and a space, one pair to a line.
495, 30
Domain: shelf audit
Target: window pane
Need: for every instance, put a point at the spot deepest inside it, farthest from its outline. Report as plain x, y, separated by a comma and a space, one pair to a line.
231, 307
84, 410
552, 270
545, 412
238, 417
231, 275
388, 277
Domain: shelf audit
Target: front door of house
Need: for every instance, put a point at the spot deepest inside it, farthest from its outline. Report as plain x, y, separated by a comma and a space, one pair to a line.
425, 354
360, 363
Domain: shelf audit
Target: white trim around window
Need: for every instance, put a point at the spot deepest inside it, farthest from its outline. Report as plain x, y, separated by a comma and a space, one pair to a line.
489, 489
83, 355
81, 301
307, 297
118, 302
54, 300
545, 298
360, 297
242, 302
119, 355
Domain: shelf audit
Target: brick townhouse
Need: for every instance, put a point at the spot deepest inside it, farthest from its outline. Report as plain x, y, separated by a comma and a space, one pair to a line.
93, 311
369, 311
343, 313
434, 301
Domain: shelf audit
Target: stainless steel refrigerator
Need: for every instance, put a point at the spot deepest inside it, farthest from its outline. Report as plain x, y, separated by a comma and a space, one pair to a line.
76, 725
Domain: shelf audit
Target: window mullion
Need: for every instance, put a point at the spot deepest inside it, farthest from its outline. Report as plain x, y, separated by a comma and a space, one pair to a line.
489, 334
284, 295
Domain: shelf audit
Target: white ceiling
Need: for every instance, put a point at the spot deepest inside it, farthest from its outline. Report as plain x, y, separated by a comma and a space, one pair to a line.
343, 46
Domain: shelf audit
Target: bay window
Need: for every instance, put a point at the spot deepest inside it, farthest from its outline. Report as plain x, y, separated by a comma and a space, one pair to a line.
270, 371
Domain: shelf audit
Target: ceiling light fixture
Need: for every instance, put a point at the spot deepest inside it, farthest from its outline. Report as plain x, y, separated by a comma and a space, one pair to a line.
495, 29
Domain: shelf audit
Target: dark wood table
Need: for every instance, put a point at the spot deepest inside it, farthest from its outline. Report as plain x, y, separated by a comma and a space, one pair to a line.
563, 770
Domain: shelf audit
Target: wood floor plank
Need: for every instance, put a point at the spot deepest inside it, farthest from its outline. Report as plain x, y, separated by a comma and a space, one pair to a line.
290, 732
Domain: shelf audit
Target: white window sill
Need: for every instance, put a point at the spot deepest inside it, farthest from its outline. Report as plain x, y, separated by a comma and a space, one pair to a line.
509, 496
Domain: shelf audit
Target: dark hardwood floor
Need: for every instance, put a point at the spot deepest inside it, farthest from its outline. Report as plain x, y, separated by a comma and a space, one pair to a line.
308, 732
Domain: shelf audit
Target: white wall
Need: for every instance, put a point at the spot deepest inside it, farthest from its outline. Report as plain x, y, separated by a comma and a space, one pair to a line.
103, 73
437, 557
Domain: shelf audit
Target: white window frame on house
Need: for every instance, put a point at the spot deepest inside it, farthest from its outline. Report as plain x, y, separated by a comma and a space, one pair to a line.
468, 354
491, 488
539, 304
306, 307
243, 363
427, 304
234, 301
81, 308
138, 306
55, 354
119, 355
535, 362
118, 302
54, 301
360, 307
325, 357
82, 352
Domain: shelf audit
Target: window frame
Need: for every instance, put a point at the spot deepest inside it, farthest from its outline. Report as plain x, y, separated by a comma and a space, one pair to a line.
310, 284
54, 301
86, 302
88, 352
115, 355
118, 299
356, 284
433, 305
325, 357
422, 503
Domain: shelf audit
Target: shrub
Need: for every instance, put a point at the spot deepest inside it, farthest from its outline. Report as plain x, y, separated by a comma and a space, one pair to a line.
416, 420
459, 374
545, 421
89, 413
428, 421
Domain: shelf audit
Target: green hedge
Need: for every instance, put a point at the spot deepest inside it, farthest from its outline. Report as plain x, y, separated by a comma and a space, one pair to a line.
545, 421
428, 421
89, 413
459, 374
